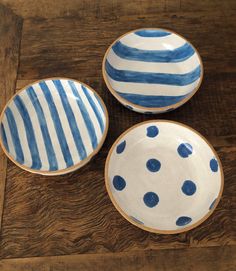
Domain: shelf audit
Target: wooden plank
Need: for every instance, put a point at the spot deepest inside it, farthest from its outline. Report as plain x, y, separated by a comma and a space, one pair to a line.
10, 33
82, 8
204, 259
110, 8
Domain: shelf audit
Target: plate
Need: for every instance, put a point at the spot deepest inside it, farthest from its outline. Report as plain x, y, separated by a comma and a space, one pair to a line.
152, 70
163, 176
53, 126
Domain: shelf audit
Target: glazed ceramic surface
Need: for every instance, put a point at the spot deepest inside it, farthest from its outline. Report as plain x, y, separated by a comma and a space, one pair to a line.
163, 176
152, 70
53, 126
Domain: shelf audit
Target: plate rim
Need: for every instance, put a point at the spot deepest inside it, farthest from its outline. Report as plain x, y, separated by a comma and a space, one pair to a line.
156, 109
77, 165
146, 228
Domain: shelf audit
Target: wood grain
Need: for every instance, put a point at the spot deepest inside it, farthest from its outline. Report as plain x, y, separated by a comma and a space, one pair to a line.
72, 214
110, 8
204, 259
10, 32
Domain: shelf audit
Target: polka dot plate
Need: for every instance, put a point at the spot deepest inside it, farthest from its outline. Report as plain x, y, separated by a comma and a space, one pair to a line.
163, 176
53, 126
152, 70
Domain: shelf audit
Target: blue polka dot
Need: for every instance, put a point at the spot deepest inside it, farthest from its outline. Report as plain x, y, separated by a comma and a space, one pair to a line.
185, 149
189, 188
119, 183
151, 199
183, 220
136, 220
214, 165
152, 131
153, 165
120, 148
212, 204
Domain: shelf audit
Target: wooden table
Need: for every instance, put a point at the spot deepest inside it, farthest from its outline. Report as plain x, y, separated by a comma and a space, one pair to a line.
69, 222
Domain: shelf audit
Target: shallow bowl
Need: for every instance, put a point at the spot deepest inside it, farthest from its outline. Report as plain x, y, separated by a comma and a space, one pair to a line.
163, 176
53, 126
152, 70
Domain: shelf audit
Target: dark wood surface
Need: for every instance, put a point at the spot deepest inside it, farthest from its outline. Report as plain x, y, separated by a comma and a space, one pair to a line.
53, 218
195, 259
10, 36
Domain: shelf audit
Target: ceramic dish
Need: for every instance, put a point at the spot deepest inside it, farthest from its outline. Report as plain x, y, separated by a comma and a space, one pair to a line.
163, 176
53, 126
152, 70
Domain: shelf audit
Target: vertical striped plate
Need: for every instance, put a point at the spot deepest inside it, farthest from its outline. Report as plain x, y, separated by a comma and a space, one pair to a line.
152, 70
53, 126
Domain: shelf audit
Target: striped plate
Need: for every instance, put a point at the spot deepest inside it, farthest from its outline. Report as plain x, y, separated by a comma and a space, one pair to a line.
53, 126
152, 70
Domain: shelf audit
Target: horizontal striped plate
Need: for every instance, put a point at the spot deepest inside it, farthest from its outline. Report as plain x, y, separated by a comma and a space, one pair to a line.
53, 126
152, 70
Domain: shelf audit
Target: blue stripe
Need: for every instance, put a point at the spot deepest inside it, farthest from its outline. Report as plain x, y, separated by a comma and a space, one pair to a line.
84, 112
153, 33
71, 120
15, 136
152, 101
57, 124
153, 78
36, 161
4, 137
177, 55
53, 165
95, 109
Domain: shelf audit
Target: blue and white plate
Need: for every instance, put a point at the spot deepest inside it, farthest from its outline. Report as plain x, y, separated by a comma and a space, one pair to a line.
53, 126
152, 70
163, 176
